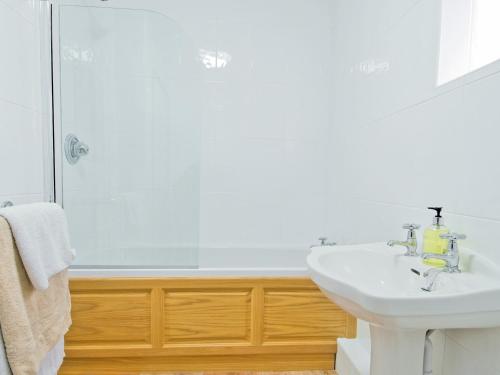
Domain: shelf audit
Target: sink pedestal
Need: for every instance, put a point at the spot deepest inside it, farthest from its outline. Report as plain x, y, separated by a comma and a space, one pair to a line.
396, 351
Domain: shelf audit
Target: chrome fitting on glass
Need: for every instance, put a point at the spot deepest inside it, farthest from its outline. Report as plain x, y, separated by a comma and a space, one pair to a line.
411, 240
74, 149
451, 256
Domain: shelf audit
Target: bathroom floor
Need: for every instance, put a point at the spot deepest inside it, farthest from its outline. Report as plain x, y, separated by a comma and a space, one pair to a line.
313, 372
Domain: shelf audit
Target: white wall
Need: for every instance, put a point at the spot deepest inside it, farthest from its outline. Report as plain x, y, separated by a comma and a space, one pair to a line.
266, 117
399, 143
21, 142
261, 74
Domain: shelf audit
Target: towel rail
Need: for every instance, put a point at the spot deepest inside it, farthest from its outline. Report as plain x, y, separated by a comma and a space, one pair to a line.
6, 204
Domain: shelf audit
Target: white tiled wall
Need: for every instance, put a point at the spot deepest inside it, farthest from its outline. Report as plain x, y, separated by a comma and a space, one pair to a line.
258, 120
399, 143
266, 114
21, 142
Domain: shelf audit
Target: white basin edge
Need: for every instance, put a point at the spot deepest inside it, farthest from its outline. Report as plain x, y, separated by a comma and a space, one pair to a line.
424, 303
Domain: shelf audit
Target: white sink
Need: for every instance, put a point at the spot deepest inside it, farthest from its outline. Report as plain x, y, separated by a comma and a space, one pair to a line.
375, 283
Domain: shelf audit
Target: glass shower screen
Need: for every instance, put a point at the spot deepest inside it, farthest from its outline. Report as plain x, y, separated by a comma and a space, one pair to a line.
130, 137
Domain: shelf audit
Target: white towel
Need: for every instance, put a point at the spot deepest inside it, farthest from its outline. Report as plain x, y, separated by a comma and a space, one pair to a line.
49, 366
41, 234
4, 363
53, 361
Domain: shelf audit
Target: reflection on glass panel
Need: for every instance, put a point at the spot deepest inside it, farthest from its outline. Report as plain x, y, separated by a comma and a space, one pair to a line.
470, 37
129, 88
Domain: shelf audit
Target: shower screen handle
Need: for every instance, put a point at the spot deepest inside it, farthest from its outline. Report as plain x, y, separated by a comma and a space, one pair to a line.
74, 149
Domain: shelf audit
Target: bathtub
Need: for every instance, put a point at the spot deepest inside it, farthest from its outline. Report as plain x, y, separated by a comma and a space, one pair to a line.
241, 309
220, 261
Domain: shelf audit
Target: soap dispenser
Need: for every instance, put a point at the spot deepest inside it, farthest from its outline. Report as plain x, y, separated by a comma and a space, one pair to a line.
433, 243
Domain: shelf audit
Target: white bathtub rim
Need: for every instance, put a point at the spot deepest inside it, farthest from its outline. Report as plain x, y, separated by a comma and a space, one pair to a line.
188, 272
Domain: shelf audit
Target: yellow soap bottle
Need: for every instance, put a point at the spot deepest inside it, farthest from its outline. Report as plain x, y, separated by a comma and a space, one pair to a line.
433, 243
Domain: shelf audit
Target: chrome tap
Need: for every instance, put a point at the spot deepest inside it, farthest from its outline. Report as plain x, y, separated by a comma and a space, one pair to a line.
451, 256
411, 240
432, 276
323, 242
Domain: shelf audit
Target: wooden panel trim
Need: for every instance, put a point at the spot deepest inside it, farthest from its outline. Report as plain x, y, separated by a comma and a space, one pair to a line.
157, 313
301, 315
136, 366
89, 283
201, 350
257, 315
106, 313
199, 317
307, 348
351, 326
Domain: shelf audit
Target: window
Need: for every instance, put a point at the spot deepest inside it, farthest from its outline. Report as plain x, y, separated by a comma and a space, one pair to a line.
470, 37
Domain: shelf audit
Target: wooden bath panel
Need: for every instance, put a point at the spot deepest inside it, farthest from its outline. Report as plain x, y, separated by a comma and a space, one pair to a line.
136, 325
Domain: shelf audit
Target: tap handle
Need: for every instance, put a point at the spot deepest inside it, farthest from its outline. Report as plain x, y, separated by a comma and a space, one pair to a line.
411, 235
322, 240
452, 241
411, 226
453, 236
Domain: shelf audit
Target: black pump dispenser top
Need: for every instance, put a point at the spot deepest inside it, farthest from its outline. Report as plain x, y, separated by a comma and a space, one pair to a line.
438, 210
438, 217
